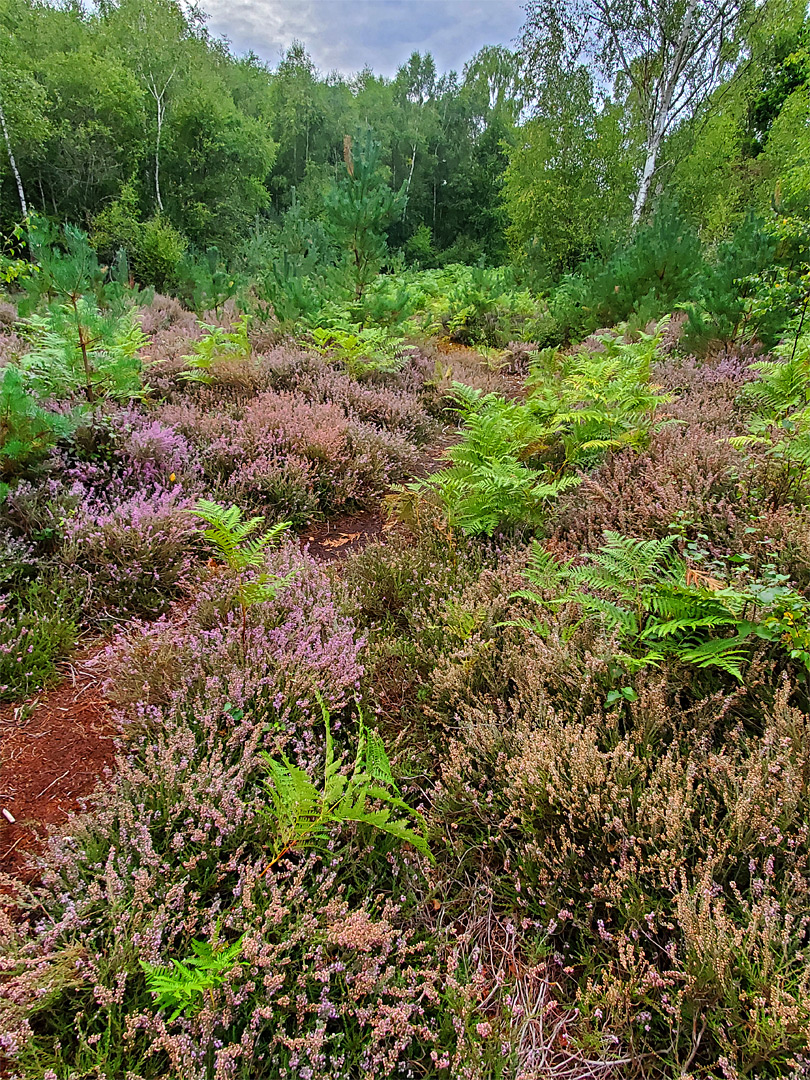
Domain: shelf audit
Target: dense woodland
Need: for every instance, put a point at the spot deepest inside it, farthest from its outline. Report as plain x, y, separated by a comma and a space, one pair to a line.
417, 473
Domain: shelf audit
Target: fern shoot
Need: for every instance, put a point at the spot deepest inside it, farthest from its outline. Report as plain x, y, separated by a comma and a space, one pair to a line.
644, 591
182, 985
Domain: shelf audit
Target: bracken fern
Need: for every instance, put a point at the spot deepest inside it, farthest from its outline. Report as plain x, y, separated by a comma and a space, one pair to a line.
303, 813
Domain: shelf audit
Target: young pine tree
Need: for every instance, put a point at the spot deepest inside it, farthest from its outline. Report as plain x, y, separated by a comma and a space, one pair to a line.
359, 208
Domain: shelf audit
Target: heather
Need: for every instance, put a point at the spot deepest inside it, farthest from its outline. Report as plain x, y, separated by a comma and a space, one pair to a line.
566, 740
424, 465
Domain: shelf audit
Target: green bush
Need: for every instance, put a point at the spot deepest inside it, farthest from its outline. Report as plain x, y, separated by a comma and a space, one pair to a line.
27, 431
723, 309
153, 247
79, 348
643, 279
38, 628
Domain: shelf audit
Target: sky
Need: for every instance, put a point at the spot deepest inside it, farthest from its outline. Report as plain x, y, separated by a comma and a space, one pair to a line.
347, 35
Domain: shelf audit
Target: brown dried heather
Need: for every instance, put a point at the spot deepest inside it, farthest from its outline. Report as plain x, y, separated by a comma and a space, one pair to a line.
665, 856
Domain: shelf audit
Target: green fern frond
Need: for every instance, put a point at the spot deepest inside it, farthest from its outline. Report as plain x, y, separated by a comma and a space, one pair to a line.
231, 533
302, 814
182, 984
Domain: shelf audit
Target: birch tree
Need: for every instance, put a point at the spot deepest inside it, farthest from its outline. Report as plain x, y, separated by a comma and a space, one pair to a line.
22, 123
668, 56
159, 32
12, 160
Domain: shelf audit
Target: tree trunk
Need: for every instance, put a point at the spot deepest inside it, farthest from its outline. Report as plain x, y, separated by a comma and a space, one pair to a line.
159, 102
646, 180
13, 162
659, 119
408, 185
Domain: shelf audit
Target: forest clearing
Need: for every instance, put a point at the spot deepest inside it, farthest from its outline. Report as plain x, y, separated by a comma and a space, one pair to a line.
405, 551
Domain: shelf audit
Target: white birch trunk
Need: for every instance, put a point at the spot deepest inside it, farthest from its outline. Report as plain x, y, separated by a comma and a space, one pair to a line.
13, 162
159, 101
660, 121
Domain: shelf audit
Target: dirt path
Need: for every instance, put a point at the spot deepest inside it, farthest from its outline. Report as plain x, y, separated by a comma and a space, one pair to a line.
52, 752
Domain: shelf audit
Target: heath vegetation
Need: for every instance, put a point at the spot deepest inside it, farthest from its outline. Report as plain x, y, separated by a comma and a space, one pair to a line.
520, 788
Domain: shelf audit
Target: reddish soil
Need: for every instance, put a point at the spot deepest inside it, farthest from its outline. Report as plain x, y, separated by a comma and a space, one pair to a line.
342, 535
52, 752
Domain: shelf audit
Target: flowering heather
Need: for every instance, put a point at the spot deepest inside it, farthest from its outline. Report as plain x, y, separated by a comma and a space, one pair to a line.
135, 554
12, 346
166, 313
620, 844
688, 474
297, 646
664, 861
349, 461
149, 449
332, 982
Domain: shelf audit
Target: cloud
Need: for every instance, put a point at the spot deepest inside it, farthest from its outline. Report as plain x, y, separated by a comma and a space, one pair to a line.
347, 35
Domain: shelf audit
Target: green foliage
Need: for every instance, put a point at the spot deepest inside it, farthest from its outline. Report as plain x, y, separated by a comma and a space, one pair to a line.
643, 279
234, 539
288, 265
515, 459
182, 985
38, 628
76, 347
726, 308
485, 307
565, 186
780, 425
659, 607
233, 536
218, 344
27, 431
65, 265
205, 282
419, 247
358, 209
360, 350
491, 481
153, 247
591, 402
302, 814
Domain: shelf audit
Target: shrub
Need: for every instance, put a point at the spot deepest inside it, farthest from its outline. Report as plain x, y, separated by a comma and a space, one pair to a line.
688, 478
660, 860
153, 247
38, 628
297, 646
165, 313
77, 348
641, 280
329, 983
135, 554
348, 462
151, 452
27, 430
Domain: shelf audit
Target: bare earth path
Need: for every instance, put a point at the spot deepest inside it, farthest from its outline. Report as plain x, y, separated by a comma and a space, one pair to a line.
52, 752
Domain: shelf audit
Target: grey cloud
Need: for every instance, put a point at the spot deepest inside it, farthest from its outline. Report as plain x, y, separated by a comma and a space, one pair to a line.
346, 35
